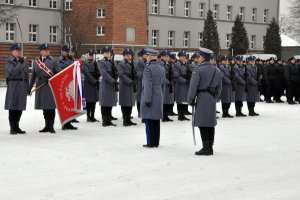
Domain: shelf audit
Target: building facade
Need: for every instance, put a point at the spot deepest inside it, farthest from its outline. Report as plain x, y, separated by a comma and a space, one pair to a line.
179, 24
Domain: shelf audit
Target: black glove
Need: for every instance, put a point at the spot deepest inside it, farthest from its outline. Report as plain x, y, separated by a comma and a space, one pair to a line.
148, 104
21, 60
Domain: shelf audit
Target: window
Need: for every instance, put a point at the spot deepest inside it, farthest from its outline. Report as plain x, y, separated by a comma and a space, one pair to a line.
186, 39
171, 36
155, 7
229, 12
253, 42
53, 4
100, 30
200, 38
242, 13
228, 40
32, 3
32, 33
187, 5
130, 34
202, 10
154, 38
9, 2
266, 12
171, 7
53, 34
68, 5
253, 16
100, 13
216, 11
10, 32
68, 35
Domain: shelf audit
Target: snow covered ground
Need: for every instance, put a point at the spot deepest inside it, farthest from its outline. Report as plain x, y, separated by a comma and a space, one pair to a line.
255, 158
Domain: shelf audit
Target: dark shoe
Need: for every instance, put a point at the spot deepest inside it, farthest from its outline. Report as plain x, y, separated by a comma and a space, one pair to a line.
148, 146
187, 113
88, 119
19, 131
205, 151
132, 123
75, 121
113, 118
126, 121
255, 114
51, 127
69, 126
172, 114
94, 120
240, 115
46, 128
218, 112
13, 130
269, 101
166, 119
292, 102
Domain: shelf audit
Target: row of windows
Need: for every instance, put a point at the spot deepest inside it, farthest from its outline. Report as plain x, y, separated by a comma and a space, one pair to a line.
202, 10
186, 39
10, 33
52, 3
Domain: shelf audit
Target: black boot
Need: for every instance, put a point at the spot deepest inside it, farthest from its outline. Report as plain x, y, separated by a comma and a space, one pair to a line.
88, 115
46, 128
20, 131
206, 150
69, 126
105, 120
13, 130
126, 120
93, 119
51, 126
131, 122
113, 118
166, 118
75, 121
181, 116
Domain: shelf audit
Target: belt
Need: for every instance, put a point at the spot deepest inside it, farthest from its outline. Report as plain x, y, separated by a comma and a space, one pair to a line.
17, 79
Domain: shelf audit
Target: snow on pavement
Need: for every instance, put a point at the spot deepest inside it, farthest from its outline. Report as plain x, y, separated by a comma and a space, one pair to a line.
255, 159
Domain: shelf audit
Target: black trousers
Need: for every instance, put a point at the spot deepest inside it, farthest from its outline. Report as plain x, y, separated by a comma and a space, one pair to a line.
250, 105
49, 115
126, 110
14, 115
238, 105
292, 90
225, 106
168, 108
152, 132
106, 111
90, 106
207, 134
138, 106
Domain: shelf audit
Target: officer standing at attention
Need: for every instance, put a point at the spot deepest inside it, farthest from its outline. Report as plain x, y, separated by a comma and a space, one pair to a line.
228, 94
44, 67
173, 61
139, 70
169, 87
205, 88
128, 87
109, 86
17, 86
91, 85
182, 76
253, 94
240, 89
152, 98
63, 62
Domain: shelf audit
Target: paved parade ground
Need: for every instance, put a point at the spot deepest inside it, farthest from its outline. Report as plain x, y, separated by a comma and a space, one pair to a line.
255, 159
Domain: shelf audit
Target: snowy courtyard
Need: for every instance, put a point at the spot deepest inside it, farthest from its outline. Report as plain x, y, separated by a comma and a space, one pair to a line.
256, 158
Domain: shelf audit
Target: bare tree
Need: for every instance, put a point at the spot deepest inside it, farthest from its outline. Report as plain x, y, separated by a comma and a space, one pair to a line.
7, 13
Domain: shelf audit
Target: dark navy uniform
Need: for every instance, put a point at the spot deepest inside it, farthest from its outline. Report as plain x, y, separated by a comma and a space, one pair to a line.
152, 99
292, 77
205, 88
44, 99
17, 86
240, 87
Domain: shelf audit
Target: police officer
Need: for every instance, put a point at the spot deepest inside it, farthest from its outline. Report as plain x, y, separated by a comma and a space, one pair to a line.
44, 99
139, 70
293, 78
240, 89
182, 74
169, 87
281, 81
108, 87
253, 94
173, 61
91, 85
17, 86
128, 88
205, 88
152, 98
271, 80
228, 86
63, 62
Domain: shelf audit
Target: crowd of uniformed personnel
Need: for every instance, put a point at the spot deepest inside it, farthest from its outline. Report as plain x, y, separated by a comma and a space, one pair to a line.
155, 83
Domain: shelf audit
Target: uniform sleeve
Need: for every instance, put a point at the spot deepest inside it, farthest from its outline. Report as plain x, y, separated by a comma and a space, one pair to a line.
121, 74
195, 81
13, 69
105, 76
225, 79
33, 78
148, 85
219, 86
139, 69
251, 80
88, 76
239, 79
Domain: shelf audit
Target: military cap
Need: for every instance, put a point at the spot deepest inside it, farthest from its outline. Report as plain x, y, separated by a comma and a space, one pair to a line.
15, 47
195, 55
224, 58
152, 52
173, 56
106, 49
181, 53
65, 48
142, 52
251, 58
127, 51
165, 53
91, 52
206, 53
239, 58
272, 58
43, 47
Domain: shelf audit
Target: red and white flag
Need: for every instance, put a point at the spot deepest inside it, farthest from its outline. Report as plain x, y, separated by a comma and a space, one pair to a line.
66, 87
